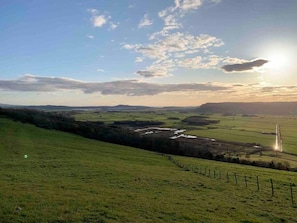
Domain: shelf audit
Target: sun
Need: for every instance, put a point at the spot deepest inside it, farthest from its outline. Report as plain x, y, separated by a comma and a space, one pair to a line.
280, 65
277, 62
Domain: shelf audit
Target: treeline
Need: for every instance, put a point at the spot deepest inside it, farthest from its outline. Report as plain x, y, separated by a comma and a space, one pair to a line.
138, 123
118, 134
199, 120
95, 130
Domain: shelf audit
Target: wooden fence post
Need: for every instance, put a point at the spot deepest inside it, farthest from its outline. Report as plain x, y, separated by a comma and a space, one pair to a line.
245, 180
272, 189
291, 189
258, 187
227, 176
235, 176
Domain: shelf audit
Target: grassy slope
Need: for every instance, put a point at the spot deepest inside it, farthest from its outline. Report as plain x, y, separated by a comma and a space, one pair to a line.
67, 178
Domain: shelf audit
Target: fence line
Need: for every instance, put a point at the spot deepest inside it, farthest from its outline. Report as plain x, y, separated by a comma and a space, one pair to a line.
205, 171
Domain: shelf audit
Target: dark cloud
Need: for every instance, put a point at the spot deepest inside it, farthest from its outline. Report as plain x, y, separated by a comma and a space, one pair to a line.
122, 87
244, 66
146, 73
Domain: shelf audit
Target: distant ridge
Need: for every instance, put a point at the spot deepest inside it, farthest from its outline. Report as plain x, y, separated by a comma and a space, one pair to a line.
248, 108
99, 108
73, 108
272, 108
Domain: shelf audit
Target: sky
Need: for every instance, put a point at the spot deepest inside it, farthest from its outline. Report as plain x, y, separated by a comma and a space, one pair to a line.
153, 53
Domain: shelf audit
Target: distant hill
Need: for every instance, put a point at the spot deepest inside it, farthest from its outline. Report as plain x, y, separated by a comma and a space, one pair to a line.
273, 108
71, 108
98, 108
249, 108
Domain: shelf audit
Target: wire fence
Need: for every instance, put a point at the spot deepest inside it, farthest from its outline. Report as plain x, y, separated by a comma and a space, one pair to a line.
252, 182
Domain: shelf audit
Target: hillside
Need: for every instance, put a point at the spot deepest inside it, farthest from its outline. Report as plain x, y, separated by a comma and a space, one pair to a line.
272, 108
67, 178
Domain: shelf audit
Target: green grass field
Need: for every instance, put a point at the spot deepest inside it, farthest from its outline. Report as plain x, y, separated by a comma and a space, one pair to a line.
67, 178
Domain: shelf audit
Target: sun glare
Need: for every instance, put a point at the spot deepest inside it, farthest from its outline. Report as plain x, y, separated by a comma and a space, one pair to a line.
277, 62
279, 66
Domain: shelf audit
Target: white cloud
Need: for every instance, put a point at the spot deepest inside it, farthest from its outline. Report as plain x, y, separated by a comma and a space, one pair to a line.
138, 59
130, 46
215, 1
200, 62
187, 4
174, 50
113, 25
159, 68
90, 36
172, 14
145, 21
177, 44
98, 21
232, 60
93, 11
151, 52
180, 42
100, 70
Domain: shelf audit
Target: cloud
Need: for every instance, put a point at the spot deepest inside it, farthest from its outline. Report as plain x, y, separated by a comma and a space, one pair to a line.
215, 1
145, 21
200, 62
172, 14
181, 5
176, 43
215, 91
33, 83
138, 59
113, 25
232, 60
170, 50
147, 73
159, 68
188, 4
130, 46
93, 11
98, 21
100, 70
177, 50
90, 36
244, 66
153, 72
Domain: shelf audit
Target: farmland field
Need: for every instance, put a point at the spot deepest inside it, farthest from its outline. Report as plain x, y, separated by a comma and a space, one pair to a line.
67, 178
237, 128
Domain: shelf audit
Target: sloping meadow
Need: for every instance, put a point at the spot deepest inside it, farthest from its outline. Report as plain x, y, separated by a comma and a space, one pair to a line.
51, 176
